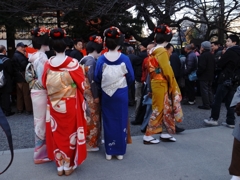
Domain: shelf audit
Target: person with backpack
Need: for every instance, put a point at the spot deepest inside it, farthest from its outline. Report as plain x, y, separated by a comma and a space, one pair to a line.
229, 63
6, 90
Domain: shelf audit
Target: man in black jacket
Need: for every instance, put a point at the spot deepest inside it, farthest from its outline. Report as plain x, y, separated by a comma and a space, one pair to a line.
20, 62
76, 52
6, 90
229, 61
137, 66
205, 74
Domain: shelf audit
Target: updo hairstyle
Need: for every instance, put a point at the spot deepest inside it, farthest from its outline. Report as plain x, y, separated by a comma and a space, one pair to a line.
40, 37
162, 34
94, 44
113, 38
58, 44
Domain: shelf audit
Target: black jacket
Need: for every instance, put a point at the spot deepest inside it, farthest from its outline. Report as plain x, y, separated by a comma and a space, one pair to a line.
176, 65
76, 54
19, 62
137, 66
228, 63
8, 74
206, 66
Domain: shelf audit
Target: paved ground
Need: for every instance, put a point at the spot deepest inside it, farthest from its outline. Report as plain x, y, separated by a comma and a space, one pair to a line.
198, 154
23, 134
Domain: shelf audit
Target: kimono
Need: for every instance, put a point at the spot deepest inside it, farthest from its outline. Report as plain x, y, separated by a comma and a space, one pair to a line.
166, 96
114, 78
91, 92
66, 118
39, 102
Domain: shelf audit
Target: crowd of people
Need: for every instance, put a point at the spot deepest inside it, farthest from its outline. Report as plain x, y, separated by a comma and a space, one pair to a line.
79, 92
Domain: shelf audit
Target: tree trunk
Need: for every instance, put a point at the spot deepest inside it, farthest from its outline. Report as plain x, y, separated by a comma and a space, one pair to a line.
10, 30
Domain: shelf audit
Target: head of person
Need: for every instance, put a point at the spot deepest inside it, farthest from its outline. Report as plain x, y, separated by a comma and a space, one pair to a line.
40, 38
78, 44
94, 46
113, 38
69, 42
232, 40
169, 47
3, 50
130, 50
143, 45
150, 46
21, 48
188, 48
58, 44
163, 34
215, 45
205, 46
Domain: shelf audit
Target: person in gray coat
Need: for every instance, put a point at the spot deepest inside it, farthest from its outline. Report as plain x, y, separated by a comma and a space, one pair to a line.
234, 168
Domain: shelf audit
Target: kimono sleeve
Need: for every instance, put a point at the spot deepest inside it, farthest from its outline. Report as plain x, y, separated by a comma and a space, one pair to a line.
98, 72
78, 78
164, 64
44, 75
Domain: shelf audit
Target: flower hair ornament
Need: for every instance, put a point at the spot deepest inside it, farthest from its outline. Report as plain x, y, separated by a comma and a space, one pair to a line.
163, 29
112, 32
96, 39
57, 33
40, 31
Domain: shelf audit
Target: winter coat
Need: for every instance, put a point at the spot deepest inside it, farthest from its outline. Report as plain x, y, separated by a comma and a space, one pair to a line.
190, 63
76, 54
19, 62
176, 65
206, 66
228, 63
137, 66
8, 74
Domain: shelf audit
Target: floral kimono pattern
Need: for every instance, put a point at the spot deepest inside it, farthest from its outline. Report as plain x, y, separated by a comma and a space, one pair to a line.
166, 95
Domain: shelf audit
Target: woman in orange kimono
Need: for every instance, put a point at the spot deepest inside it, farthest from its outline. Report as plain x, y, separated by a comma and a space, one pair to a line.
92, 93
166, 95
65, 119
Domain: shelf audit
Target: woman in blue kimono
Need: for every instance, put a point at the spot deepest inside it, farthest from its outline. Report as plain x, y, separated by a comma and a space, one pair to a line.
114, 73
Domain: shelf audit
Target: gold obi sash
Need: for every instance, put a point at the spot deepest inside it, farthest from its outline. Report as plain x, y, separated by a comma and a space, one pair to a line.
59, 85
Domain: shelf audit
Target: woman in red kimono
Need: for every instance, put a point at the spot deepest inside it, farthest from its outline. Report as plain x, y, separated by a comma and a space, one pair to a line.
65, 119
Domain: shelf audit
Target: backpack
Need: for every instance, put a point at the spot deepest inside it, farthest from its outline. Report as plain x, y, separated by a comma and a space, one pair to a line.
2, 77
31, 77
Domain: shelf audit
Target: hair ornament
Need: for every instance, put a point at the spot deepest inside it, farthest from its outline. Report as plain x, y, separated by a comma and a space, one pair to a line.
112, 32
40, 31
163, 29
57, 33
96, 39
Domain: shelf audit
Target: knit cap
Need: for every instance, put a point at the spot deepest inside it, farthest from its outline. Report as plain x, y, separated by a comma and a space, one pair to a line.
206, 45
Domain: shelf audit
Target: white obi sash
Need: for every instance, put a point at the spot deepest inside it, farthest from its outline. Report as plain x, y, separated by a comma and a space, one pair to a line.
113, 77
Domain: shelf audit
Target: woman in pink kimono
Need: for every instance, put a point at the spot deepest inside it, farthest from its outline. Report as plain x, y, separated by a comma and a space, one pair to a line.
38, 93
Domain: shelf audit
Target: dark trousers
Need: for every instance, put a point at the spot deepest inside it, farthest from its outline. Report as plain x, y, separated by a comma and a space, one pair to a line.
206, 93
226, 93
5, 102
131, 94
234, 168
190, 90
23, 97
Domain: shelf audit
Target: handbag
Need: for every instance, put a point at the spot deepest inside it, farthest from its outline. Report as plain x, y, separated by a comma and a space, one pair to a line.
6, 128
193, 76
